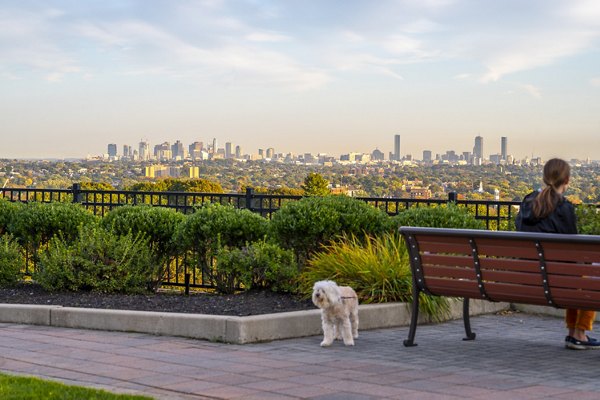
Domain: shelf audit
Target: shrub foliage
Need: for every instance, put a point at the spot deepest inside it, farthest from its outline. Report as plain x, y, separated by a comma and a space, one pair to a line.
97, 260
444, 216
12, 261
307, 224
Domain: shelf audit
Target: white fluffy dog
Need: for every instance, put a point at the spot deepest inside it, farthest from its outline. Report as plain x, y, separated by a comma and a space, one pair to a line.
339, 311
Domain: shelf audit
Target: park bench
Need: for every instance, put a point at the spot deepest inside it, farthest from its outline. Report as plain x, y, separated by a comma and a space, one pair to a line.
556, 270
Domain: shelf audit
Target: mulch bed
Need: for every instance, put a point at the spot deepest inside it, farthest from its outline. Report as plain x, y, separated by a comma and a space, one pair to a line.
242, 304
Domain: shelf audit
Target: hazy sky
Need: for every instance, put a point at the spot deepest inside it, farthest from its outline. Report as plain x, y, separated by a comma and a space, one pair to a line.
300, 75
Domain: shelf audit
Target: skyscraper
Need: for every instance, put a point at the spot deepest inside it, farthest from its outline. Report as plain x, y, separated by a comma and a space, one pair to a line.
195, 150
504, 147
144, 151
478, 149
177, 151
112, 150
397, 147
427, 156
228, 153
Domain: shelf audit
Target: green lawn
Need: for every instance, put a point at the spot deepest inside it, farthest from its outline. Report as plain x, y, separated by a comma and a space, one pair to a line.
26, 388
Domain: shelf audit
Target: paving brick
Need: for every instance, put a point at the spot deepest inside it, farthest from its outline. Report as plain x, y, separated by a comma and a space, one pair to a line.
516, 356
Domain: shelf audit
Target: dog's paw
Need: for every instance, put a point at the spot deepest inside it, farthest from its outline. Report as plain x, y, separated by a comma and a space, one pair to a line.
356, 336
349, 343
325, 343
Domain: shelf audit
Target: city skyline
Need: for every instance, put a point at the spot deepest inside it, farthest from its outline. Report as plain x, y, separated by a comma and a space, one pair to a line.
303, 77
199, 150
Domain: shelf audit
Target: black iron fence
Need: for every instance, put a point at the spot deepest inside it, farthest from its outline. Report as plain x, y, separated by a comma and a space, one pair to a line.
497, 215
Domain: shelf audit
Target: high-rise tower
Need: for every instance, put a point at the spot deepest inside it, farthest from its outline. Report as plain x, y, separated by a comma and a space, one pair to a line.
144, 151
478, 149
503, 148
397, 147
112, 150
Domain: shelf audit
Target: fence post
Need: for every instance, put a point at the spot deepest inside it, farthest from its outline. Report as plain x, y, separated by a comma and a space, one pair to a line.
249, 197
76, 192
452, 197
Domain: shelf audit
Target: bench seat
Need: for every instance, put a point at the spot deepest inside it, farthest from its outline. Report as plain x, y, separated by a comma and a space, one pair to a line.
557, 270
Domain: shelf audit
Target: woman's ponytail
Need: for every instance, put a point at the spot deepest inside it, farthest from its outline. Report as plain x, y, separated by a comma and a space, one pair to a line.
556, 174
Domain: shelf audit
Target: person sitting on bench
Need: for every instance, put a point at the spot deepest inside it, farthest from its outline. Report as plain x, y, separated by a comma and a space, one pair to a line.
550, 212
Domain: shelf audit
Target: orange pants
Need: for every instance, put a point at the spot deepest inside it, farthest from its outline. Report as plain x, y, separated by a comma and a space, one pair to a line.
580, 319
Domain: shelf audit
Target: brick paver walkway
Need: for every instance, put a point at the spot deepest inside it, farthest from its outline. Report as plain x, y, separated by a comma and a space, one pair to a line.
515, 356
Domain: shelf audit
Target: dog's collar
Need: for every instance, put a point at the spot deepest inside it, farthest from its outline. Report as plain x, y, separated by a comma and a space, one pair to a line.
347, 297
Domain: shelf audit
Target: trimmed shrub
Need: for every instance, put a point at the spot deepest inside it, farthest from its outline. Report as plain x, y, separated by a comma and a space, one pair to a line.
444, 216
215, 226
588, 219
307, 224
97, 260
8, 210
12, 261
157, 224
377, 268
34, 224
260, 265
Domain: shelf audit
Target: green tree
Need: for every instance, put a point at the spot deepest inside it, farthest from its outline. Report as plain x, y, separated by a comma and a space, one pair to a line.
315, 185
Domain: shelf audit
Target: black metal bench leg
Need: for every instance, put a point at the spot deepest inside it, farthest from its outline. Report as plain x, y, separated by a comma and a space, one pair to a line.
467, 320
414, 317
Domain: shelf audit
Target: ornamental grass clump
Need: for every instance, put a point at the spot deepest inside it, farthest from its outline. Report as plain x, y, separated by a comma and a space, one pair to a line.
376, 268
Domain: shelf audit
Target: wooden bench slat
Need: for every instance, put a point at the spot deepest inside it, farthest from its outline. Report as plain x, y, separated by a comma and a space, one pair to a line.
449, 272
582, 252
511, 277
453, 287
510, 264
444, 259
445, 248
506, 248
574, 282
573, 269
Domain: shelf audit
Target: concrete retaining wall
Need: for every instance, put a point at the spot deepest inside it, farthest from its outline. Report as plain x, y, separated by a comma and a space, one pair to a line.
228, 329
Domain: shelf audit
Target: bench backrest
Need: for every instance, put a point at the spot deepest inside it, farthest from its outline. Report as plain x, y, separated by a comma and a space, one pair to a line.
532, 268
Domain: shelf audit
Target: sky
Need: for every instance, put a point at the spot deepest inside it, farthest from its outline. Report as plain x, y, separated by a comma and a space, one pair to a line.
318, 76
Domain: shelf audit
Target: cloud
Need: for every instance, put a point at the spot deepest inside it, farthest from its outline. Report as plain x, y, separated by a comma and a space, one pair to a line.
595, 81
272, 37
537, 49
532, 90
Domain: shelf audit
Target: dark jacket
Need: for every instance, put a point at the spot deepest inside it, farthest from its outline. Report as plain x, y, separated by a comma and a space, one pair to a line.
561, 220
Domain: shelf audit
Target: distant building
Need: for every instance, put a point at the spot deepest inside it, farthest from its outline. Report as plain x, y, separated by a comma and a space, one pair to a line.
427, 156
112, 151
162, 151
228, 153
190, 172
238, 152
144, 151
478, 148
397, 147
496, 158
377, 155
419, 193
195, 150
270, 152
504, 148
177, 152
